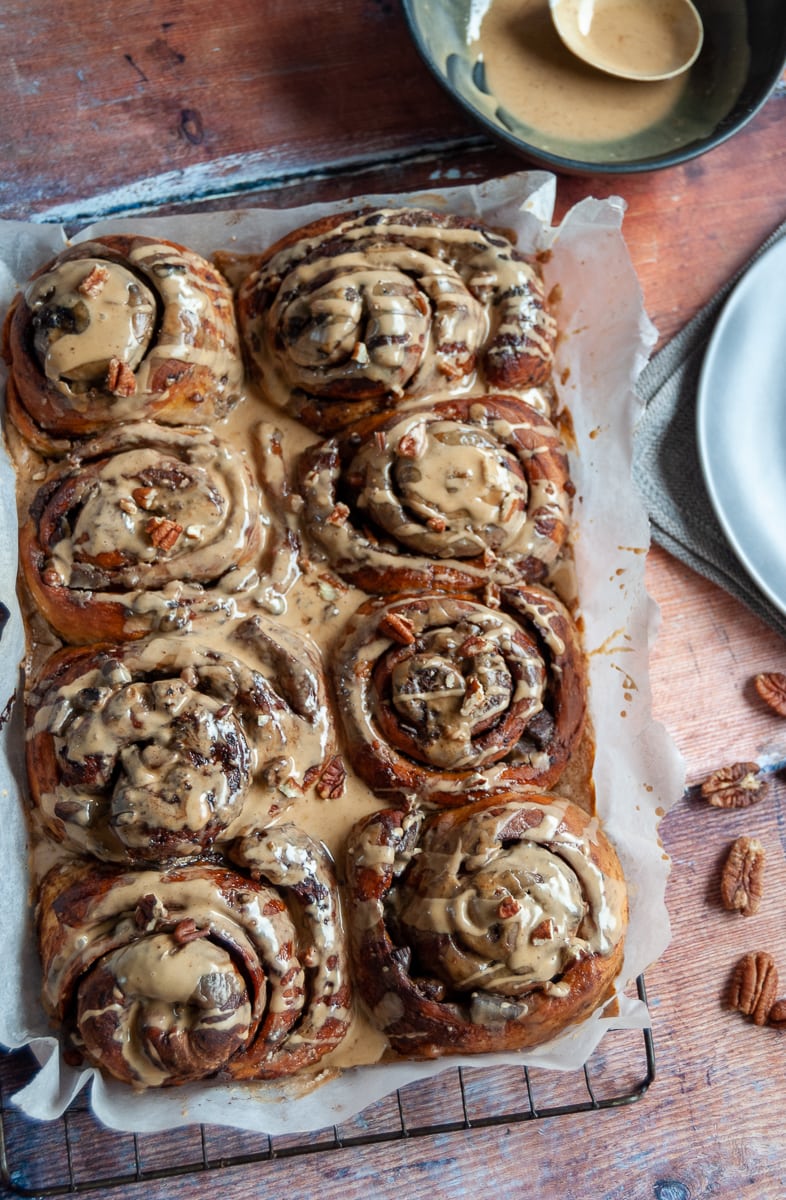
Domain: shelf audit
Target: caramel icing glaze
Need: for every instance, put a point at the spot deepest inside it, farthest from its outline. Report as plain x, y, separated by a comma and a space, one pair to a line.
139, 528
176, 974
364, 311
457, 494
147, 751
263, 607
121, 328
488, 927
444, 697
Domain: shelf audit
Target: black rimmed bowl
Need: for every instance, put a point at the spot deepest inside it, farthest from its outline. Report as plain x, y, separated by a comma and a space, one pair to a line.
741, 61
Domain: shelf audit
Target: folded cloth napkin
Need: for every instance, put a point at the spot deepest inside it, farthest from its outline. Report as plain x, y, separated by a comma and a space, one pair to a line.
666, 466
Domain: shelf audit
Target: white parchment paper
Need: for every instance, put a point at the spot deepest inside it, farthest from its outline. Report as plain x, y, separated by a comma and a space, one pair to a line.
605, 341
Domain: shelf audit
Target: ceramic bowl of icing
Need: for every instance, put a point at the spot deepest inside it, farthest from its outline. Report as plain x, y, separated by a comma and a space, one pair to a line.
503, 62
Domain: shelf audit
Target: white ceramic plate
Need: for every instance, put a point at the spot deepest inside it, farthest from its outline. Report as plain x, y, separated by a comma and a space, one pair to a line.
741, 421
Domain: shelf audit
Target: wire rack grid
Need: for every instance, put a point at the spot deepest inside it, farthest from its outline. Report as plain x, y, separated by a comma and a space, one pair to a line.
79, 1149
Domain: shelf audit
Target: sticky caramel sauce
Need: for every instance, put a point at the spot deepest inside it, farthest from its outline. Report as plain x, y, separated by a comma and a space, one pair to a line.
535, 77
300, 592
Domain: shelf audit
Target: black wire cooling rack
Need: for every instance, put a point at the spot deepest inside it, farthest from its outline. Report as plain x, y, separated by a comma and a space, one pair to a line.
79, 1150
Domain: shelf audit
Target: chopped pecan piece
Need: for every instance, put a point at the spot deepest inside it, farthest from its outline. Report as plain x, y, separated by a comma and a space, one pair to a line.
741, 880
93, 283
187, 931
148, 910
512, 506
447, 367
412, 444
542, 933
471, 646
333, 583
339, 514
771, 686
163, 532
144, 496
120, 380
399, 629
474, 697
754, 986
331, 782
735, 786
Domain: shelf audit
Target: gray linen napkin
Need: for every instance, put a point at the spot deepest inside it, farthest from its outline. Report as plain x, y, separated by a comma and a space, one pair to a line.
666, 466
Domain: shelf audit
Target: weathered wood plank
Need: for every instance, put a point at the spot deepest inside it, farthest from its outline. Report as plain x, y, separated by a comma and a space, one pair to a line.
179, 101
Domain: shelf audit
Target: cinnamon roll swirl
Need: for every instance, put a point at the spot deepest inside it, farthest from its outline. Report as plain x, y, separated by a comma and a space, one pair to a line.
122, 327
148, 751
455, 495
356, 313
491, 927
137, 530
162, 977
445, 698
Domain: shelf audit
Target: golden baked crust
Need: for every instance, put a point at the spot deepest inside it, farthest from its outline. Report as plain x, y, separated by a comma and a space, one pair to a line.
359, 312
456, 494
491, 927
173, 353
443, 697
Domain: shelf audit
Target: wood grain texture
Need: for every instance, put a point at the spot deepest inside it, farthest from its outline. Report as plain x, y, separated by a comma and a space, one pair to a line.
179, 107
178, 100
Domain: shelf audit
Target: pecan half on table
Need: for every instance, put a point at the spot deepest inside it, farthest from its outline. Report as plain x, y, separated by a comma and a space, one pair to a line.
736, 786
742, 877
754, 986
771, 686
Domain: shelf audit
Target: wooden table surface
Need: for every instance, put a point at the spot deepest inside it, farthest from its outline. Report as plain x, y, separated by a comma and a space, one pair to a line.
141, 106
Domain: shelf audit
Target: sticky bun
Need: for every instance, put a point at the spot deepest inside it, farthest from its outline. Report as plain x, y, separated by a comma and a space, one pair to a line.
358, 312
138, 529
443, 698
118, 328
453, 495
495, 926
163, 977
147, 751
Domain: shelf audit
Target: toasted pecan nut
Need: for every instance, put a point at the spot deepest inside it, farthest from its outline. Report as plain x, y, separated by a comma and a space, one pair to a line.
399, 628
163, 532
771, 686
93, 283
120, 379
754, 986
735, 786
742, 877
330, 785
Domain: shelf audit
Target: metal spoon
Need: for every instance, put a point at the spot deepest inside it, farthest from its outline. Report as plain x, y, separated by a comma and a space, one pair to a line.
634, 39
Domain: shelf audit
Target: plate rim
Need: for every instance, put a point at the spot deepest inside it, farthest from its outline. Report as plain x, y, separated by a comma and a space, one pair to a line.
747, 280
